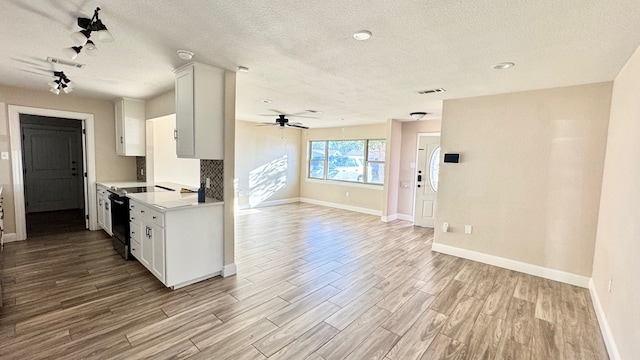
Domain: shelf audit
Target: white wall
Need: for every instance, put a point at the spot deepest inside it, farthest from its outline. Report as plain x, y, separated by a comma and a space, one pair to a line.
617, 253
165, 164
529, 178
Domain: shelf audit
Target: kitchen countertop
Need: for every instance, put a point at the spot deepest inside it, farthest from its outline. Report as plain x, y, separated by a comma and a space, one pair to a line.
164, 200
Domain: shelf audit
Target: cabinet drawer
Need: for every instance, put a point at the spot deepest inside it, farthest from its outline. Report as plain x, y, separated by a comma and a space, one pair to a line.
156, 217
135, 212
135, 249
134, 232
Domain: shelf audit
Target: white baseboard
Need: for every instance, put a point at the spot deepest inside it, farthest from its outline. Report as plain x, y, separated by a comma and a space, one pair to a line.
229, 269
342, 206
389, 218
10, 237
607, 335
551, 274
393, 217
270, 203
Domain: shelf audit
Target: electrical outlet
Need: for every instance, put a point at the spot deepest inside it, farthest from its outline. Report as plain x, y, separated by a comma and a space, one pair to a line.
445, 227
5, 155
142, 172
468, 229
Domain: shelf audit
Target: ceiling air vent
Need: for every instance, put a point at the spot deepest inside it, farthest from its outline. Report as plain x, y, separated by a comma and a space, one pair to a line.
65, 62
431, 91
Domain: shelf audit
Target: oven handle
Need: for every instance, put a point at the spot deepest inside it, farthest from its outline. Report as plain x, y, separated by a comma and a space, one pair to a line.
118, 202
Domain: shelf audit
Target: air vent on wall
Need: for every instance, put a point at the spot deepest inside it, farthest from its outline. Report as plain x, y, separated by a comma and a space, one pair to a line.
65, 62
431, 91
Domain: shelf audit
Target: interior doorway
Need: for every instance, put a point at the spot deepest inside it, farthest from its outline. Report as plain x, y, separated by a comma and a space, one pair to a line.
53, 168
427, 170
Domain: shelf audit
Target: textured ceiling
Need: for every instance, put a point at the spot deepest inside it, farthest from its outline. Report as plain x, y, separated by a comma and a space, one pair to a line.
301, 54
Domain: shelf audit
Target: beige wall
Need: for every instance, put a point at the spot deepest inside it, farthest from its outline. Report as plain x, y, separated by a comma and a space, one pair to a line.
617, 252
369, 197
408, 152
267, 164
109, 166
166, 165
530, 175
161, 105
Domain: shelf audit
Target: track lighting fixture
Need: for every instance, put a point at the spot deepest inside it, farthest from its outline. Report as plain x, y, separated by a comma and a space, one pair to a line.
61, 83
82, 37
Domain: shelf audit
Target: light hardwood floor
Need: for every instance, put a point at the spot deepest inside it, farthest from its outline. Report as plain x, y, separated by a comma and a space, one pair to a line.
313, 283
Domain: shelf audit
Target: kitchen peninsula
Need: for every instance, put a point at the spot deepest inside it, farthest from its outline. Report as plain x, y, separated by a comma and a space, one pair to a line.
176, 238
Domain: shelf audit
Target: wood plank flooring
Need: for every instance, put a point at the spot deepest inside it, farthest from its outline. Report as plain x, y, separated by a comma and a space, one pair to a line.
313, 283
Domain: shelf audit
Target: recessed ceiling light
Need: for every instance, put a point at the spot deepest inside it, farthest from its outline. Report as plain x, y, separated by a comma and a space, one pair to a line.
362, 35
243, 69
266, 101
185, 55
502, 66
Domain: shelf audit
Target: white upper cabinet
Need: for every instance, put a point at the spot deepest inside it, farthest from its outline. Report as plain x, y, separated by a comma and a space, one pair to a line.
200, 100
130, 127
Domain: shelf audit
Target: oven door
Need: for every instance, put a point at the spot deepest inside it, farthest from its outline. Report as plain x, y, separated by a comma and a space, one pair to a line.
120, 224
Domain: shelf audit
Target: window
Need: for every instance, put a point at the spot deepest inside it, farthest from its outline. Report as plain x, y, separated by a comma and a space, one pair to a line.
434, 169
346, 160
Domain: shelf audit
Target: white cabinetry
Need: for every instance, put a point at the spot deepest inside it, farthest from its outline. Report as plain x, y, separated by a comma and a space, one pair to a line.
200, 100
104, 209
130, 127
179, 246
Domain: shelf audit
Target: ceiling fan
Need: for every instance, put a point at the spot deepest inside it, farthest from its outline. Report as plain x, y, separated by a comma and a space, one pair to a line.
282, 121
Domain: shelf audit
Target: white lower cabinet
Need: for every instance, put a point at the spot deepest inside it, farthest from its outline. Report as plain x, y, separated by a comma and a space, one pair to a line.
104, 208
179, 246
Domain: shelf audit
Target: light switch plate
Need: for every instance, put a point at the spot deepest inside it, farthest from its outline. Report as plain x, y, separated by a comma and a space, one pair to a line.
5, 155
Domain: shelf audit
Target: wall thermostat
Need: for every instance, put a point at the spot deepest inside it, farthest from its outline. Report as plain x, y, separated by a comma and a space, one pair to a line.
452, 158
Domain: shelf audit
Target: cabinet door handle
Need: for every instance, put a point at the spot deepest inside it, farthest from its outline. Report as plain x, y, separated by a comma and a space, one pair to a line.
154, 217
142, 211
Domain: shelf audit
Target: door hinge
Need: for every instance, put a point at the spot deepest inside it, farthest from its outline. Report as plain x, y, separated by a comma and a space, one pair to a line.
84, 132
87, 217
85, 174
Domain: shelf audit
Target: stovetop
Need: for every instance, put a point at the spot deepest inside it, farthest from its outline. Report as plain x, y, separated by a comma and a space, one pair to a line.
139, 189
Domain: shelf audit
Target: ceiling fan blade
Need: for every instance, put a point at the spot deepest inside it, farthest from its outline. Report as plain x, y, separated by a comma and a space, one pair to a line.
298, 126
302, 116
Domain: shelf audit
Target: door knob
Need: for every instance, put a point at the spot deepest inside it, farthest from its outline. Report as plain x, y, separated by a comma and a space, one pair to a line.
419, 177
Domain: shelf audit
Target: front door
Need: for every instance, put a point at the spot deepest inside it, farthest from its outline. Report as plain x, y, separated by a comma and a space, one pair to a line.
53, 168
426, 180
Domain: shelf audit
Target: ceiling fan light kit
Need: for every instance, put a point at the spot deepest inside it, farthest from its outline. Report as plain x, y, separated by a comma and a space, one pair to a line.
82, 37
61, 83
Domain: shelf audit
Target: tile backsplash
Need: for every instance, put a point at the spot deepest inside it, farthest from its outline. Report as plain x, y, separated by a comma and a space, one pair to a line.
141, 168
214, 170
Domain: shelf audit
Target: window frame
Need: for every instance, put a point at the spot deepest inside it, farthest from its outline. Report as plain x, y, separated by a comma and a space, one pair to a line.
325, 160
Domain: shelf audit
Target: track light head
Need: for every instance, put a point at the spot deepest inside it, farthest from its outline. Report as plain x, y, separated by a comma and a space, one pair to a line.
91, 48
81, 37
103, 33
72, 52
